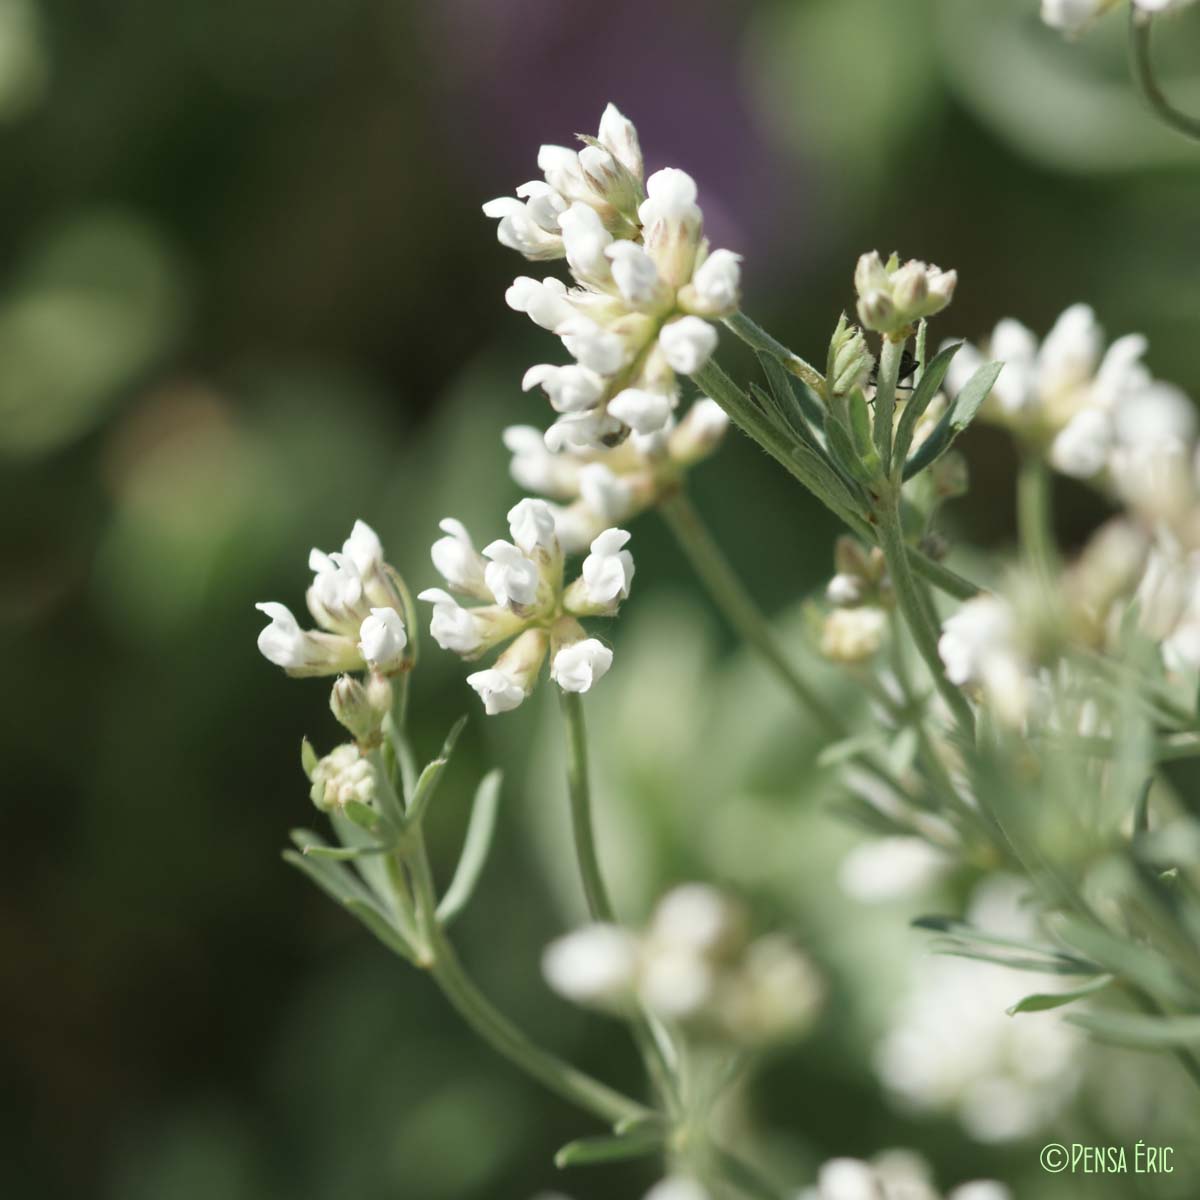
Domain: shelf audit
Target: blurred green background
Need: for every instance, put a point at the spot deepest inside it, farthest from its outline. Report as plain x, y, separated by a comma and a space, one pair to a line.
248, 296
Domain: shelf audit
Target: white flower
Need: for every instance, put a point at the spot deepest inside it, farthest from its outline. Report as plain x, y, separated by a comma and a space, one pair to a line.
499, 692
609, 496
1074, 16
452, 626
519, 228
577, 666
888, 868
336, 594
635, 274
282, 642
595, 347
571, 388
715, 287
510, 576
457, 561
608, 569
581, 431
531, 524
303, 652
694, 916
363, 548
382, 640
687, 343
620, 138
594, 965
1082, 447
642, 411
978, 645
544, 301
534, 468
585, 240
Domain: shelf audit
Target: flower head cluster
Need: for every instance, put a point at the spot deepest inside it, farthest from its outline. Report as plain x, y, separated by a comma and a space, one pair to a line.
893, 296
693, 964
1073, 17
892, 1175
1091, 409
356, 599
526, 604
342, 776
647, 286
597, 488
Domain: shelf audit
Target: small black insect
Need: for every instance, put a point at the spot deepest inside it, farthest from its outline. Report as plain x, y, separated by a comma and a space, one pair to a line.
908, 368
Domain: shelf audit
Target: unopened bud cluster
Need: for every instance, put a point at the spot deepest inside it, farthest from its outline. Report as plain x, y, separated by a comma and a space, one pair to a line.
693, 964
860, 593
893, 297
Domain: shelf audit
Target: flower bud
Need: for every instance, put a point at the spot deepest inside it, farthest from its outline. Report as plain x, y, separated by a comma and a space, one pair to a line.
350, 704
892, 296
852, 635
596, 965
850, 362
699, 433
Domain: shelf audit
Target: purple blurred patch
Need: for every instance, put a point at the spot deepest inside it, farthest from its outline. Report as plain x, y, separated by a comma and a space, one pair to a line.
517, 73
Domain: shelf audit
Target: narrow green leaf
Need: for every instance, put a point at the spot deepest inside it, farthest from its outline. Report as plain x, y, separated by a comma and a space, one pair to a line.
918, 402
1138, 1030
839, 752
382, 928
363, 816
792, 394
308, 757
1041, 1001
476, 845
594, 1150
431, 776
640, 1123
860, 424
842, 447
956, 418
1133, 961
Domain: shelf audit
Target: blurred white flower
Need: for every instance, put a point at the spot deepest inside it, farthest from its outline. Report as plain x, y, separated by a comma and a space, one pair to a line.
852, 635
979, 645
889, 868
954, 1047
595, 965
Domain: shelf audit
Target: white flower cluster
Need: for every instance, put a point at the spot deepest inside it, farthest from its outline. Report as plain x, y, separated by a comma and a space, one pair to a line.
981, 645
1073, 17
1093, 411
954, 1047
355, 600
521, 584
693, 964
892, 1175
597, 488
647, 286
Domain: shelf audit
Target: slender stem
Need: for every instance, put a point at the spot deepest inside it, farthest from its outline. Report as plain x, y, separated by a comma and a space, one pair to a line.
579, 789
731, 597
941, 577
646, 1035
924, 630
495, 1029
1034, 517
1142, 63
755, 336
885, 397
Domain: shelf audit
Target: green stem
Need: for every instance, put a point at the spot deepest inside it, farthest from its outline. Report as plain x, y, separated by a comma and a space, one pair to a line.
924, 630
495, 1029
731, 597
579, 789
885, 397
1033, 517
1142, 63
755, 336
